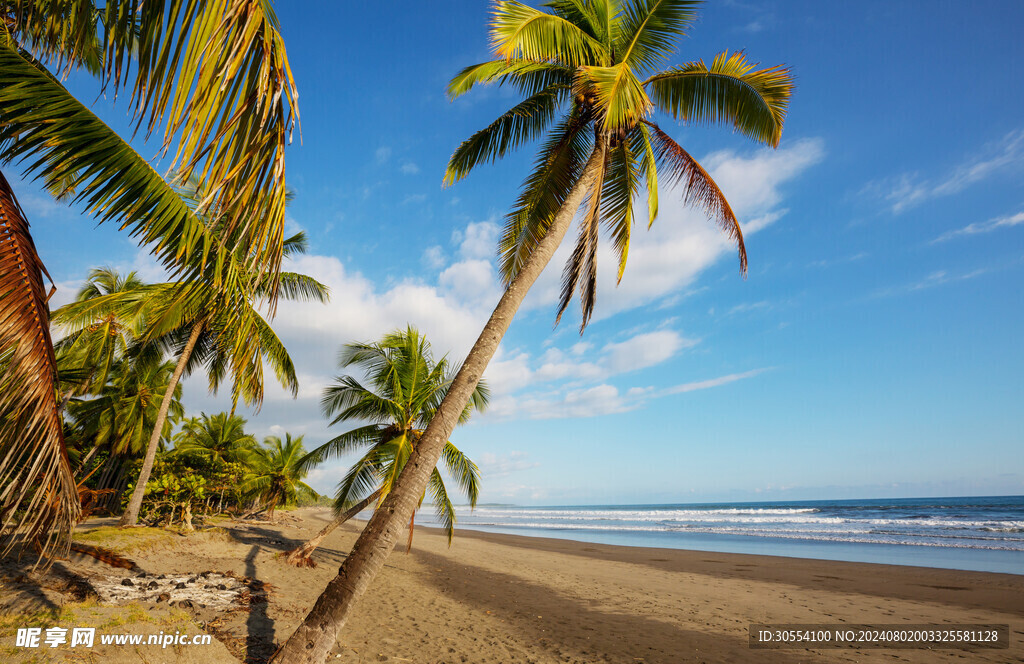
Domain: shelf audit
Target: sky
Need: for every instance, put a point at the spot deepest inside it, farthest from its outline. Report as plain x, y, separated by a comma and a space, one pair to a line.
873, 350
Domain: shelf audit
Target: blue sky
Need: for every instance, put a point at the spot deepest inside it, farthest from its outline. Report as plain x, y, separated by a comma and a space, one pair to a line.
873, 351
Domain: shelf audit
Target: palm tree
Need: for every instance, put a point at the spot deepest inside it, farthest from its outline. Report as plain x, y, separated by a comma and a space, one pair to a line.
218, 439
123, 415
593, 65
231, 339
86, 355
278, 475
215, 76
405, 388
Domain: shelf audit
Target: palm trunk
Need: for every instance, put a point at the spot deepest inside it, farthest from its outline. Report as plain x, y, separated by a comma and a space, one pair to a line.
300, 557
316, 636
131, 514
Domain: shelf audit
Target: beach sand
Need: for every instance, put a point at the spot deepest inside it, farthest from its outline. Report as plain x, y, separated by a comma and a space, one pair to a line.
499, 598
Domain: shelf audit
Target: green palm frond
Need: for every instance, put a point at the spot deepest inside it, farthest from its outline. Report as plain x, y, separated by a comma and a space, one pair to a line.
621, 97
527, 76
55, 136
347, 442
361, 480
650, 29
700, 189
650, 167
729, 91
443, 508
522, 123
620, 189
520, 31
463, 471
581, 268
593, 18
557, 168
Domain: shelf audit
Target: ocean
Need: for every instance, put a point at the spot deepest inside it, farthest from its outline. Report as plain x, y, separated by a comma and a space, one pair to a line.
977, 533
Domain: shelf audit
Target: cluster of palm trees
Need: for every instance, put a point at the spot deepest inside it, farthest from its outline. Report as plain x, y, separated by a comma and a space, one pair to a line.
121, 393
216, 467
215, 77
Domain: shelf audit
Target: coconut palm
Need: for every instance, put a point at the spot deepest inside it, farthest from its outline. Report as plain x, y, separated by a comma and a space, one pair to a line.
87, 354
215, 77
589, 72
277, 473
122, 417
405, 387
218, 439
233, 339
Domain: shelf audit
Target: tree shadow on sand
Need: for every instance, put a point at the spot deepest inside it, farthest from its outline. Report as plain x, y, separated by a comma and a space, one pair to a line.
259, 640
553, 627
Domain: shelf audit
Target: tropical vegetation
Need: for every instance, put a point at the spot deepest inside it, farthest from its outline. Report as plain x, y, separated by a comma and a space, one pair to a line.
590, 74
215, 78
404, 386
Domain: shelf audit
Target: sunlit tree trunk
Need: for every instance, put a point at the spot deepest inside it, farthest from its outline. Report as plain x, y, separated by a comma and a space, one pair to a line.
316, 636
300, 557
131, 514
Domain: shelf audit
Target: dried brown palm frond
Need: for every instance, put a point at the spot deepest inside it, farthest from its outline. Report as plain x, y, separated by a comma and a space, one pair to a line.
39, 501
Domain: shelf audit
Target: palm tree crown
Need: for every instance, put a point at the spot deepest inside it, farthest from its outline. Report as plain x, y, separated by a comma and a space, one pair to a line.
406, 386
588, 70
219, 439
278, 475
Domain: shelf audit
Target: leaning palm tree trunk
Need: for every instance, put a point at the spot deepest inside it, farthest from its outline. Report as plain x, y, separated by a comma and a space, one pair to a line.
312, 641
38, 496
131, 514
300, 556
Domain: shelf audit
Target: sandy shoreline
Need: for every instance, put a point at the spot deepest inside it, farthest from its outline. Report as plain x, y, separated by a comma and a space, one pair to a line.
501, 598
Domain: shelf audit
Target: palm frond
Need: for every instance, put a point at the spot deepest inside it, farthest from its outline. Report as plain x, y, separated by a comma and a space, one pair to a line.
621, 97
729, 91
700, 189
443, 508
463, 470
520, 31
650, 29
527, 76
343, 444
558, 166
522, 123
620, 188
650, 166
54, 135
581, 268
38, 496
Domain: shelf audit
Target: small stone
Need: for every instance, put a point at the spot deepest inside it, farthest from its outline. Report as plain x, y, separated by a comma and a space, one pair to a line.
221, 586
152, 584
162, 576
180, 586
192, 580
127, 582
163, 597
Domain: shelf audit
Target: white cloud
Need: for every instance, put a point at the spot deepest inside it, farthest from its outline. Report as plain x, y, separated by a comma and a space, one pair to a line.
409, 168
667, 259
645, 350
382, 155
937, 278
714, 382
478, 240
433, 257
983, 227
499, 465
909, 189
598, 400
